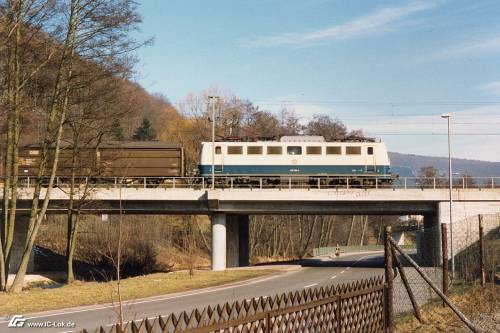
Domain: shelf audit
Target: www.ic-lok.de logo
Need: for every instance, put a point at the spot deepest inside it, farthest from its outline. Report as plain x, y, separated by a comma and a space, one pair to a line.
17, 321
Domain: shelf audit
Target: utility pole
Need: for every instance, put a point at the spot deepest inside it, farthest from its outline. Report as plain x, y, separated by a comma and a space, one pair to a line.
212, 100
447, 116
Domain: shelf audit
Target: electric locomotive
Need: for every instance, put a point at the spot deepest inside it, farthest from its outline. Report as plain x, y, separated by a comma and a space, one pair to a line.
307, 159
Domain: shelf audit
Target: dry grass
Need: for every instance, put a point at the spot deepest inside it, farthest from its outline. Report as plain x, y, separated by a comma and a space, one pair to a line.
87, 293
479, 305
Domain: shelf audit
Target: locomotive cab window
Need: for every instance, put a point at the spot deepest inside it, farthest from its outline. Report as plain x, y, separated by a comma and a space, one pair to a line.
218, 150
353, 150
274, 150
254, 150
294, 150
337, 150
313, 150
234, 150
370, 150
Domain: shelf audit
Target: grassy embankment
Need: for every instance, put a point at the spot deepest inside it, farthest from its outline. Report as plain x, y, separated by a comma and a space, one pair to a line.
38, 299
481, 306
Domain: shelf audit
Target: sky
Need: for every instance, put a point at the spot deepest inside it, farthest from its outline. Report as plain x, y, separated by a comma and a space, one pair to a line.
390, 68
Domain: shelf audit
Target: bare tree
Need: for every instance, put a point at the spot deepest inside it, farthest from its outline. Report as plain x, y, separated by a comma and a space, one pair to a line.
20, 23
429, 176
94, 31
323, 125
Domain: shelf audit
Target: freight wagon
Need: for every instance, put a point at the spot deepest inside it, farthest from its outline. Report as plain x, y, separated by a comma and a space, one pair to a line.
112, 159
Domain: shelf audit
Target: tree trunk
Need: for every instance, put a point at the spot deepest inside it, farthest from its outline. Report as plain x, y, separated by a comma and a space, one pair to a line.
364, 230
73, 218
308, 240
350, 231
54, 131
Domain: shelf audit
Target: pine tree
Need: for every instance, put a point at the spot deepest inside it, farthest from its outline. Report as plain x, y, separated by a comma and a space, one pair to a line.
145, 131
117, 130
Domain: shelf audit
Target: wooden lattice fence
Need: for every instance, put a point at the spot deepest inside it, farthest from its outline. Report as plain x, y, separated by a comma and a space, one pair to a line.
355, 307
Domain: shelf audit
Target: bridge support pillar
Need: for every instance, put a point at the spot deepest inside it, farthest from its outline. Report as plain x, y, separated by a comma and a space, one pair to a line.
237, 240
230, 241
20, 234
218, 241
429, 242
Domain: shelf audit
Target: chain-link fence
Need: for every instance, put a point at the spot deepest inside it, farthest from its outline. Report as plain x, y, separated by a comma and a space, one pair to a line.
467, 251
466, 247
476, 245
426, 253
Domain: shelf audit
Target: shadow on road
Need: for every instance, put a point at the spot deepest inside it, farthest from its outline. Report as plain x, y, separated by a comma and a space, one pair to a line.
371, 261
375, 260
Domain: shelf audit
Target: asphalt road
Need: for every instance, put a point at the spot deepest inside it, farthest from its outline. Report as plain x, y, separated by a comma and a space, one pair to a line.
315, 273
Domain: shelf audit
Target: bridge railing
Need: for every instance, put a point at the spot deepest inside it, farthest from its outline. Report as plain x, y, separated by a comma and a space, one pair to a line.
287, 182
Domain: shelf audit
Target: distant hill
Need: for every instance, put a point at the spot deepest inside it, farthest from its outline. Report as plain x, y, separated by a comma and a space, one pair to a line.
408, 165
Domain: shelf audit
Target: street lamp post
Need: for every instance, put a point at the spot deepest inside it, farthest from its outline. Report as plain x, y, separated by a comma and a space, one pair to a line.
212, 100
447, 116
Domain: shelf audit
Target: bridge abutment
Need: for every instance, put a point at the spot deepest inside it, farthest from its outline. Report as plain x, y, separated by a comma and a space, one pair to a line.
230, 241
466, 222
20, 234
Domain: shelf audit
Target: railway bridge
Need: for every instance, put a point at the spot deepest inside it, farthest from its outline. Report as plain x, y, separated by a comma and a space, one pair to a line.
229, 208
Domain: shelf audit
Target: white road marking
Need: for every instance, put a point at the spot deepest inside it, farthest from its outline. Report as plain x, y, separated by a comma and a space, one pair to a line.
352, 266
311, 285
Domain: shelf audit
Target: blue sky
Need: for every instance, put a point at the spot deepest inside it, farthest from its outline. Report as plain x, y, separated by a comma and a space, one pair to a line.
388, 67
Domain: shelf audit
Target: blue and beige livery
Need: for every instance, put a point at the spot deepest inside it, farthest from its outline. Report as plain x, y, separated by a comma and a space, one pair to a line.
302, 156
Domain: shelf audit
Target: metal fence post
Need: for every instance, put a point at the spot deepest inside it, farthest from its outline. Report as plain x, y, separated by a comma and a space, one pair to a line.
405, 184
319, 183
389, 277
338, 313
481, 252
347, 182
268, 322
434, 182
444, 251
28, 182
260, 183
289, 183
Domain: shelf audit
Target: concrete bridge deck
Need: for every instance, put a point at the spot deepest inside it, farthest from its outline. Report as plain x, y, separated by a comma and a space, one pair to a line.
262, 201
229, 208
